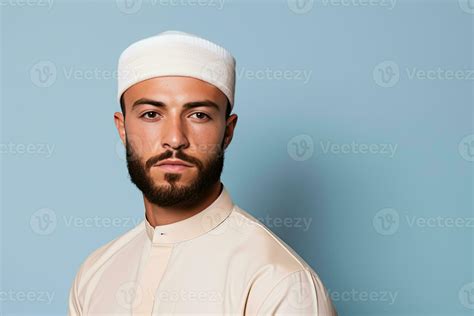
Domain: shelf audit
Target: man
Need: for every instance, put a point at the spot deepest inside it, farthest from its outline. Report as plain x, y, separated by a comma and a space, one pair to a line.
195, 252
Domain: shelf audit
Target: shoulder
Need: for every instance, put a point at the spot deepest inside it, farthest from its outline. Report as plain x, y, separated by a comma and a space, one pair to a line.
281, 281
100, 256
298, 293
263, 243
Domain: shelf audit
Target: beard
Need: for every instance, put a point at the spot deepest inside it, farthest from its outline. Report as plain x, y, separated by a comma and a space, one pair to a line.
171, 193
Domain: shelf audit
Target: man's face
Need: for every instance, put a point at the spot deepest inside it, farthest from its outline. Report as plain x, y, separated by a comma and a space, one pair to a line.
173, 118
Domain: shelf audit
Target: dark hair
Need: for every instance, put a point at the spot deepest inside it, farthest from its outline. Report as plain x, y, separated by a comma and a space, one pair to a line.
227, 111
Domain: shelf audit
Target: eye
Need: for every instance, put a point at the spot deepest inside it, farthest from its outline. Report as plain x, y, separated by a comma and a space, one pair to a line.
201, 115
150, 115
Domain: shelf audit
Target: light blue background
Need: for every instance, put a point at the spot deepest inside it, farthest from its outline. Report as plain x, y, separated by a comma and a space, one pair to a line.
429, 269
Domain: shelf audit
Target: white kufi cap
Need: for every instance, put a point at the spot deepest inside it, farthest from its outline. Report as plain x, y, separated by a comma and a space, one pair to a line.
174, 53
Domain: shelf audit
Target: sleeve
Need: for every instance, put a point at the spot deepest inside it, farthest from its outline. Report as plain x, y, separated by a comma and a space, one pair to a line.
299, 293
75, 306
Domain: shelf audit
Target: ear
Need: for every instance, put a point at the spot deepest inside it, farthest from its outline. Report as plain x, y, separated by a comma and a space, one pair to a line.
229, 130
119, 121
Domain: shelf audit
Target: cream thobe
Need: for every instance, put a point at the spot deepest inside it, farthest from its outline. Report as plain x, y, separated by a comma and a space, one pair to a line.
221, 261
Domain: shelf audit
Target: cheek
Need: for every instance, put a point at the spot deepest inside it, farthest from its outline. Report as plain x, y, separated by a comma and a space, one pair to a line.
206, 145
145, 141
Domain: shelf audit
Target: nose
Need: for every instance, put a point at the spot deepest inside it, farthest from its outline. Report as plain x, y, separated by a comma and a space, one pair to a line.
173, 134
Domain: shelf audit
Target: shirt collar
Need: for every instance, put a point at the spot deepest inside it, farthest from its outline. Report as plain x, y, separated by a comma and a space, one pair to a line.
193, 226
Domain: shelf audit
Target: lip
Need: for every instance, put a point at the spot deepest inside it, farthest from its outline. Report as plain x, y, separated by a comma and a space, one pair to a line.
173, 168
173, 165
174, 162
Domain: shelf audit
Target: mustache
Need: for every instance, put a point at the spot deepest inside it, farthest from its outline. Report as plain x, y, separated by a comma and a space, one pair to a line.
168, 154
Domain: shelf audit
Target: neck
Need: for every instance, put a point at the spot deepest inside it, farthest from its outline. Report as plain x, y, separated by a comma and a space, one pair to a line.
157, 215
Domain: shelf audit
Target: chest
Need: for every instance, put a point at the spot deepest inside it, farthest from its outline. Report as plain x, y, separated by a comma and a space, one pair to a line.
184, 279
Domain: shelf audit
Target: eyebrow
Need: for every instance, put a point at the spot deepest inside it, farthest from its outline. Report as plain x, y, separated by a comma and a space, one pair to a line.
186, 106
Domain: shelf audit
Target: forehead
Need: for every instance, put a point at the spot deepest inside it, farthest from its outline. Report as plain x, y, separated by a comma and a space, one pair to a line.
175, 90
